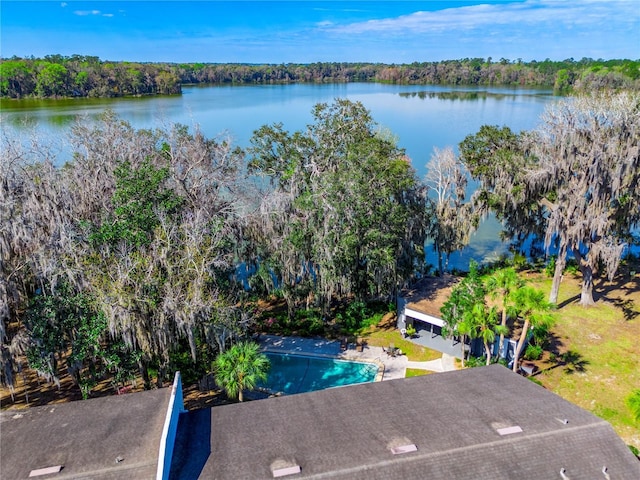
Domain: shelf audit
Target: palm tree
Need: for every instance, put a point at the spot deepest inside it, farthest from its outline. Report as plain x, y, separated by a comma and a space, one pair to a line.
534, 310
488, 328
480, 322
241, 368
457, 312
504, 283
465, 327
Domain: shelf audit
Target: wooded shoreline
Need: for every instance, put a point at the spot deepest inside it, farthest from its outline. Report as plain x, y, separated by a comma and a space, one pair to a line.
58, 76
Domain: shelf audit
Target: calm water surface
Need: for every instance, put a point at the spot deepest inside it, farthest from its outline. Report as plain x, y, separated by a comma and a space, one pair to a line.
300, 373
421, 117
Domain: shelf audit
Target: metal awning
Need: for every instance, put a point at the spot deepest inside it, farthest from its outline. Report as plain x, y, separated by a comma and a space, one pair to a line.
423, 317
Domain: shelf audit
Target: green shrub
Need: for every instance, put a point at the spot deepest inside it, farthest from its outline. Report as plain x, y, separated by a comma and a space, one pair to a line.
272, 323
308, 323
572, 266
472, 362
181, 361
370, 321
533, 352
411, 330
359, 316
633, 402
310, 326
550, 269
541, 335
353, 316
520, 261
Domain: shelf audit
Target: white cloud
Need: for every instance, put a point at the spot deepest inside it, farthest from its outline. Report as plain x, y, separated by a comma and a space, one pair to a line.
84, 13
530, 29
578, 13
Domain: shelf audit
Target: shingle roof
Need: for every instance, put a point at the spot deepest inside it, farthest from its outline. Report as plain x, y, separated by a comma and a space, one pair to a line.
428, 294
85, 437
452, 418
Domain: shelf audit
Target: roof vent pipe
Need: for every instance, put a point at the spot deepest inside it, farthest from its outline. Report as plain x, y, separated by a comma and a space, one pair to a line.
605, 472
282, 467
404, 449
45, 471
563, 474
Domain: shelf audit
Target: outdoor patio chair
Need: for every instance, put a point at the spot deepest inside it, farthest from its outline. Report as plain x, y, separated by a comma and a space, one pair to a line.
343, 344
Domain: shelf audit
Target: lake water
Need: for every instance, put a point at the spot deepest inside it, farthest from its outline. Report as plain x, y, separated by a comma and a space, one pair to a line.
421, 117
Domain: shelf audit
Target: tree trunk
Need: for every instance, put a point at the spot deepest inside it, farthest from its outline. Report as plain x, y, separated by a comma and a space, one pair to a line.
26, 385
144, 373
586, 296
561, 261
501, 350
488, 352
160, 377
240, 386
291, 306
74, 373
463, 352
523, 336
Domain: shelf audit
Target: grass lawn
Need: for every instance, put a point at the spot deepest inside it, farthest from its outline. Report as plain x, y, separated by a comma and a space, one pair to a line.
603, 366
385, 333
414, 372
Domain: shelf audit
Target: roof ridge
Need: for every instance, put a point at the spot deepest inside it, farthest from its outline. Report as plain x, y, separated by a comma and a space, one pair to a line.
422, 454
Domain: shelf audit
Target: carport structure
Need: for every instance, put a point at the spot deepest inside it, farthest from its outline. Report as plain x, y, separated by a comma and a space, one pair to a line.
419, 306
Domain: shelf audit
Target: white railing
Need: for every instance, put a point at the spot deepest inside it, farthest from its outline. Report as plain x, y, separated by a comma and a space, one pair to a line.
170, 429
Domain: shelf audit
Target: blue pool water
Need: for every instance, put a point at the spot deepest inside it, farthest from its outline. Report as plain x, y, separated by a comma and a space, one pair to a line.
291, 374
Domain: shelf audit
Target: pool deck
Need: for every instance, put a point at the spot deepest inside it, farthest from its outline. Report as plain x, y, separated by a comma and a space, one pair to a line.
393, 367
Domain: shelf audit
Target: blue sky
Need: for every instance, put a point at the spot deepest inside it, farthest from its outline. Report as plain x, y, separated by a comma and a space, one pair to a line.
328, 31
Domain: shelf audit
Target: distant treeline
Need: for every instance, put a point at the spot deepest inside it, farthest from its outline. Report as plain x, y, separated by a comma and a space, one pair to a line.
87, 76
84, 76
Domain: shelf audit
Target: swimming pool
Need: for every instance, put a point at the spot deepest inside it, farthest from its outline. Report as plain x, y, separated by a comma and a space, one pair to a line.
291, 374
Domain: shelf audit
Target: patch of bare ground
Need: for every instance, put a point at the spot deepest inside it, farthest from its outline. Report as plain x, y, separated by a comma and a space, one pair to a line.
31, 391
195, 399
